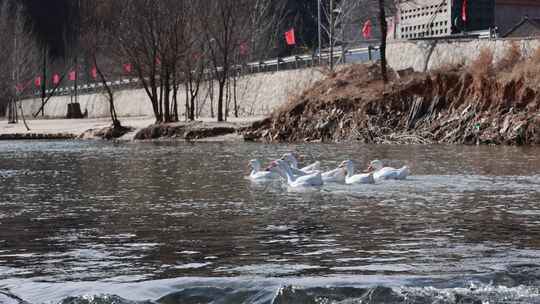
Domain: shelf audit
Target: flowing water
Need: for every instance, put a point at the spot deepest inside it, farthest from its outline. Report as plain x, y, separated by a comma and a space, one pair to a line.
94, 222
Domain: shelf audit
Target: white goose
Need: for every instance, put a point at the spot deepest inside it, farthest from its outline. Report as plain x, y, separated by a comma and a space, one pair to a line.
292, 160
282, 167
382, 173
337, 175
352, 179
257, 174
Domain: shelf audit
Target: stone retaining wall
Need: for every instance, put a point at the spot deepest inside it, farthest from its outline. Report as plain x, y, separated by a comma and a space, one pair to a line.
257, 95
416, 54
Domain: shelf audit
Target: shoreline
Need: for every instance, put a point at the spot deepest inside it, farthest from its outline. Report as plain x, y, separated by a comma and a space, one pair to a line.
204, 129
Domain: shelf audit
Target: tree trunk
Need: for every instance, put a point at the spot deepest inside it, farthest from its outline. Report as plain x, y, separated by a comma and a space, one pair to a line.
332, 25
211, 94
192, 104
22, 116
112, 110
235, 96
186, 91
166, 96
154, 97
221, 95
384, 29
227, 98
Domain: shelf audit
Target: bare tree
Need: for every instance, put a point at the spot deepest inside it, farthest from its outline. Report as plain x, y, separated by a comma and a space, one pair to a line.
386, 7
226, 25
384, 27
6, 81
98, 28
19, 58
152, 36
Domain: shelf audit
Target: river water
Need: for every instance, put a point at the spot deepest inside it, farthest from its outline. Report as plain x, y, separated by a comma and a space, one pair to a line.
96, 222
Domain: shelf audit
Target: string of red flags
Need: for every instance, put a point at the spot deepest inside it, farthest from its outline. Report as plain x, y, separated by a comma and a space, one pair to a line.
464, 11
72, 76
391, 27
290, 37
244, 48
367, 29
56, 79
37, 81
93, 73
128, 68
22, 86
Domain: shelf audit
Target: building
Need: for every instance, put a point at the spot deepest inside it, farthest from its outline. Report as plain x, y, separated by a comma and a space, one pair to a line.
526, 28
418, 19
425, 18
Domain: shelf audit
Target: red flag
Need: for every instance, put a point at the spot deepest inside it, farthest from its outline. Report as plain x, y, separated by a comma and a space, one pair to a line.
244, 48
56, 79
37, 81
464, 11
93, 72
366, 30
391, 27
72, 75
290, 37
128, 68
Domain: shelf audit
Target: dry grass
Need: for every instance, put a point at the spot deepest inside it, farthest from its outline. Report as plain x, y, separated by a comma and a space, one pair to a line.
292, 102
352, 80
528, 70
510, 59
482, 66
451, 67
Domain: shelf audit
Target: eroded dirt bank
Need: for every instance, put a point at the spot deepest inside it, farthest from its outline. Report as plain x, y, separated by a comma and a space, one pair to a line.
484, 103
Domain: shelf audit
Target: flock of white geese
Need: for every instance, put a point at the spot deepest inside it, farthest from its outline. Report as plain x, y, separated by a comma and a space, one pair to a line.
287, 168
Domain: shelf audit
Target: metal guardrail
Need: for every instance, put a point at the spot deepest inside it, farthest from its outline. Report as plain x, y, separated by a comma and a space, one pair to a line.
271, 65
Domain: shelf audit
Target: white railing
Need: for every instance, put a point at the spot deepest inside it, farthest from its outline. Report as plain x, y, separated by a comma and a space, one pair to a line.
276, 64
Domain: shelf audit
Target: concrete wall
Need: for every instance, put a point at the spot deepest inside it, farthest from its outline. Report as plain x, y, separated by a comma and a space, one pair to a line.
415, 54
257, 94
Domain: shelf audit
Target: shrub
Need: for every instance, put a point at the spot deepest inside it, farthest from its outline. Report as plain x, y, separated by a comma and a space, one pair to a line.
511, 58
482, 66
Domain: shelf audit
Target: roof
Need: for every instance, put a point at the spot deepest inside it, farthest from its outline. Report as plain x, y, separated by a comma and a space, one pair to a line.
527, 27
518, 2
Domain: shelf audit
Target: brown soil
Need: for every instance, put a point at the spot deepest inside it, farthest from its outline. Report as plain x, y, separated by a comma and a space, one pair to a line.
460, 105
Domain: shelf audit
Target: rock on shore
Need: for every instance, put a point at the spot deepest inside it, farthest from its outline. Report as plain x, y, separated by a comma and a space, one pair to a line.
106, 133
458, 105
189, 130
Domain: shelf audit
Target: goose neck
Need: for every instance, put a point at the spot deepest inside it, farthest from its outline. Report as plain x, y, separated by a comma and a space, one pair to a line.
288, 172
350, 170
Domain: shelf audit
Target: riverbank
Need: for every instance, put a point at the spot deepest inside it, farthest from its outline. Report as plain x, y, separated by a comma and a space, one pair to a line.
141, 128
485, 102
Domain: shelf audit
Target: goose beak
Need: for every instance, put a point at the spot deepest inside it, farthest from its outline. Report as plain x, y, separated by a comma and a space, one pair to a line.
271, 166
